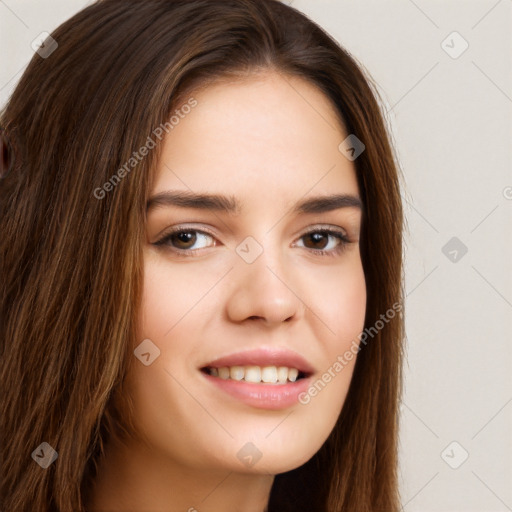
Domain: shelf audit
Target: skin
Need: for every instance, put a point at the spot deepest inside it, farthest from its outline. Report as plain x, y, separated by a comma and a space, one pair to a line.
270, 141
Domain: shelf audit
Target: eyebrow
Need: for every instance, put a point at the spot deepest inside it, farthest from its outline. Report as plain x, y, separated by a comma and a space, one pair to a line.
229, 204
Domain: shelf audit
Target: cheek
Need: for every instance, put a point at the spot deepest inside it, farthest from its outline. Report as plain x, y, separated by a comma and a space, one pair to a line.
169, 295
340, 303
339, 299
171, 301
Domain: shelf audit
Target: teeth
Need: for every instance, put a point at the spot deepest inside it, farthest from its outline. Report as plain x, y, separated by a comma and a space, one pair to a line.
252, 374
256, 374
224, 373
236, 372
293, 373
282, 374
269, 374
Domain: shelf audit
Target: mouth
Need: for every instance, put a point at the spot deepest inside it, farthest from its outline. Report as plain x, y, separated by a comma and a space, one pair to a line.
278, 375
264, 379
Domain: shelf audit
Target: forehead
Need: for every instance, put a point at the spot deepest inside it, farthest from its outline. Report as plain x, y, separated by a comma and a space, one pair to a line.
271, 132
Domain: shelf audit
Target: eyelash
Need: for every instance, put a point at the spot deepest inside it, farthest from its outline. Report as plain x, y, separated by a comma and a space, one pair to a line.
165, 241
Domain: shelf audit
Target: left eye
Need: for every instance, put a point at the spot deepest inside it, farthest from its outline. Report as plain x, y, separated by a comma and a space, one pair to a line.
323, 240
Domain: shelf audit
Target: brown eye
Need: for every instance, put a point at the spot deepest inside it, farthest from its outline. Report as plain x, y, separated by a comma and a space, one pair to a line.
183, 239
317, 240
186, 240
325, 241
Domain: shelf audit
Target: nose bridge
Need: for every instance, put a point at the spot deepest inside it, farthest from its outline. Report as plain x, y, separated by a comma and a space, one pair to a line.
263, 256
262, 285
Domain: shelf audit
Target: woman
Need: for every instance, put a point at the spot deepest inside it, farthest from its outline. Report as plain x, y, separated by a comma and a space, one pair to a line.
201, 264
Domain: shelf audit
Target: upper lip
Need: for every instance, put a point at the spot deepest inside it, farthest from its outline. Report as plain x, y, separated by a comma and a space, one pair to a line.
263, 357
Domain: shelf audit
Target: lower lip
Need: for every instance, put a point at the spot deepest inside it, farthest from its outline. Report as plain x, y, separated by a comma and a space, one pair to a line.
262, 396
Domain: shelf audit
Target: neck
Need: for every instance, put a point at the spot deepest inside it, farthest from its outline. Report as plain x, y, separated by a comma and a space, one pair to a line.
136, 478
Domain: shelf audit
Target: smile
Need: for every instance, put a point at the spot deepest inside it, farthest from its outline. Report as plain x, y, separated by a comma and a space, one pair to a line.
266, 374
263, 379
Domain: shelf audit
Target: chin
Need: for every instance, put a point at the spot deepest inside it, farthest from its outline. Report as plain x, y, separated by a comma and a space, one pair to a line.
275, 452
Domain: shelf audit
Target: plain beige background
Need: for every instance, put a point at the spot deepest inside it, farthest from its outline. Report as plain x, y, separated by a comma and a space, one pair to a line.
450, 111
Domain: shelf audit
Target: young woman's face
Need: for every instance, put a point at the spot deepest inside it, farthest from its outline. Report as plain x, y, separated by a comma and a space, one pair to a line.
252, 286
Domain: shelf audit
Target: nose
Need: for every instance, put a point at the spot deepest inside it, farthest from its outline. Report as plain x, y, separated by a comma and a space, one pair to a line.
263, 290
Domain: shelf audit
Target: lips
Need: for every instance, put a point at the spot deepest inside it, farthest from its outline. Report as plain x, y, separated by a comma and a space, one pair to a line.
263, 378
263, 358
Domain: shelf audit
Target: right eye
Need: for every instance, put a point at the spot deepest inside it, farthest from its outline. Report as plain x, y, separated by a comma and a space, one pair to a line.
183, 241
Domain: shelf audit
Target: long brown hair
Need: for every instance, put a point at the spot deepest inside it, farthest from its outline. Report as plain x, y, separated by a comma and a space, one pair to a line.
71, 263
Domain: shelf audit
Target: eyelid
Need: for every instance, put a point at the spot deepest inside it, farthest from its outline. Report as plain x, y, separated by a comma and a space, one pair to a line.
324, 227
